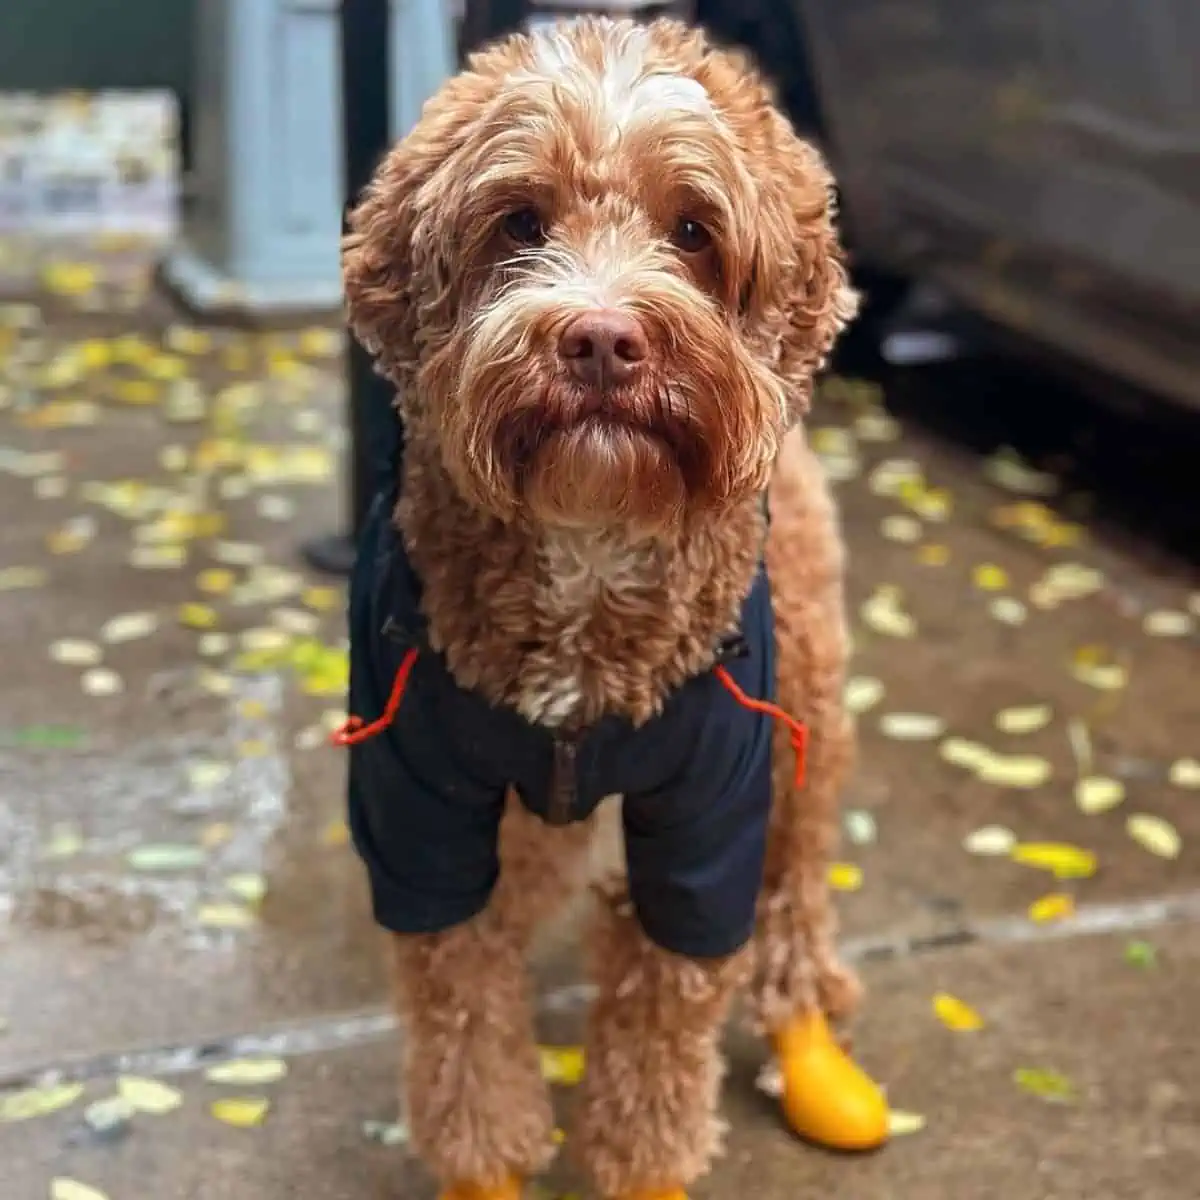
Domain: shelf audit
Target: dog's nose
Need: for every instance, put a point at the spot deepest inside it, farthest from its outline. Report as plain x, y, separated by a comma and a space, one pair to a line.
603, 347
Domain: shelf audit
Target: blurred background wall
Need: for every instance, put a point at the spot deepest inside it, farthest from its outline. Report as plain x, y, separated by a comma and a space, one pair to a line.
114, 44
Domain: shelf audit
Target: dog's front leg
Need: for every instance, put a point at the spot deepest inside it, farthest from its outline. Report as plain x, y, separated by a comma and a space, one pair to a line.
477, 1107
479, 1111
799, 979
647, 1124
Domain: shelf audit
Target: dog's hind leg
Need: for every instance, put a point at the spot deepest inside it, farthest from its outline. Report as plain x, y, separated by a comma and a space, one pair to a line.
647, 1123
799, 981
478, 1109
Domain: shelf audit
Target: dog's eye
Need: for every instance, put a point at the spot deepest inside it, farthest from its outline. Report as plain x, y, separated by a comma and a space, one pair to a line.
690, 236
524, 226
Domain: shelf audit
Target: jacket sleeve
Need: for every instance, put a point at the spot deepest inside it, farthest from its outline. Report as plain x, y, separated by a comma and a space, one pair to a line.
696, 848
424, 826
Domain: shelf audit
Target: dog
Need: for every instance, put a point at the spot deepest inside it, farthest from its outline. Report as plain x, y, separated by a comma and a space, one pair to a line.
602, 272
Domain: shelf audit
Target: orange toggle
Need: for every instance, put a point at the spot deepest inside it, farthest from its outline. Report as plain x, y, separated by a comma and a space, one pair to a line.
798, 729
355, 729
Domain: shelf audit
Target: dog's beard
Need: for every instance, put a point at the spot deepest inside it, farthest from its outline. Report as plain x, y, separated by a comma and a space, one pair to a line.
697, 431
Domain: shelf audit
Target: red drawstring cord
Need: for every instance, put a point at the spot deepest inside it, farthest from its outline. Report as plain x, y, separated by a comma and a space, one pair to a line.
355, 730
798, 729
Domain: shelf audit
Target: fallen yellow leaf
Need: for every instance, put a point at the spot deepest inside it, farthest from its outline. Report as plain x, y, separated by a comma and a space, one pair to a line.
1185, 773
988, 577
845, 877
197, 616
1155, 834
1029, 719
1055, 907
990, 841
956, 1014
71, 1189
1048, 1085
902, 1124
1015, 771
961, 752
248, 1072
241, 1112
1065, 861
1098, 794
1008, 610
562, 1064
883, 614
901, 528
224, 916
933, 554
1167, 624
911, 727
38, 1101
215, 581
148, 1095
862, 694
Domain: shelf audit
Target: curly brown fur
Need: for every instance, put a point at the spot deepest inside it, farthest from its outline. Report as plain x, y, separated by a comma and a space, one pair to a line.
647, 1117
583, 548
796, 967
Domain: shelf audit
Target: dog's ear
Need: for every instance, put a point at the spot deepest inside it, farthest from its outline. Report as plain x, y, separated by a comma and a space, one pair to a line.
799, 265
390, 253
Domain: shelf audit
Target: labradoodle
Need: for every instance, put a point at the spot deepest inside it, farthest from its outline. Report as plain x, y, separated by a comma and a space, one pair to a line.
601, 273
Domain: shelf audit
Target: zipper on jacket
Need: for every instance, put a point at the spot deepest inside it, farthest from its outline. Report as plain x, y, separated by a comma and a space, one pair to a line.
560, 806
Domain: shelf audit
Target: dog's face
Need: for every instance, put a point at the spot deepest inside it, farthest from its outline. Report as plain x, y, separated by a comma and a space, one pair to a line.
602, 271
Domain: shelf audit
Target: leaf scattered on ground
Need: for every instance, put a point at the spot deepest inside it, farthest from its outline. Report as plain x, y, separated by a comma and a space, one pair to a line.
1055, 907
75, 652
128, 628
863, 694
911, 726
149, 1096
884, 614
165, 856
224, 916
1155, 834
1015, 771
248, 1072
63, 1188
248, 886
1063, 860
990, 841
1008, 610
845, 877
1141, 954
1185, 773
38, 1101
562, 1065
109, 1118
386, 1133
1098, 794
242, 1112
904, 1124
1165, 623
1046, 1085
1026, 719
860, 827
956, 1014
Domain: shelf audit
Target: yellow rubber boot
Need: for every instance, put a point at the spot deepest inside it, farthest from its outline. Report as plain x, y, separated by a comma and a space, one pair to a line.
827, 1097
510, 1189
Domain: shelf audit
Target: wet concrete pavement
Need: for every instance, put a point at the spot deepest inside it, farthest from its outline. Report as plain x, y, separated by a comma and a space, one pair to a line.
175, 888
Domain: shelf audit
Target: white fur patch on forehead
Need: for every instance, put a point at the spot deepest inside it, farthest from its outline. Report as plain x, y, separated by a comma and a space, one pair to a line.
623, 88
